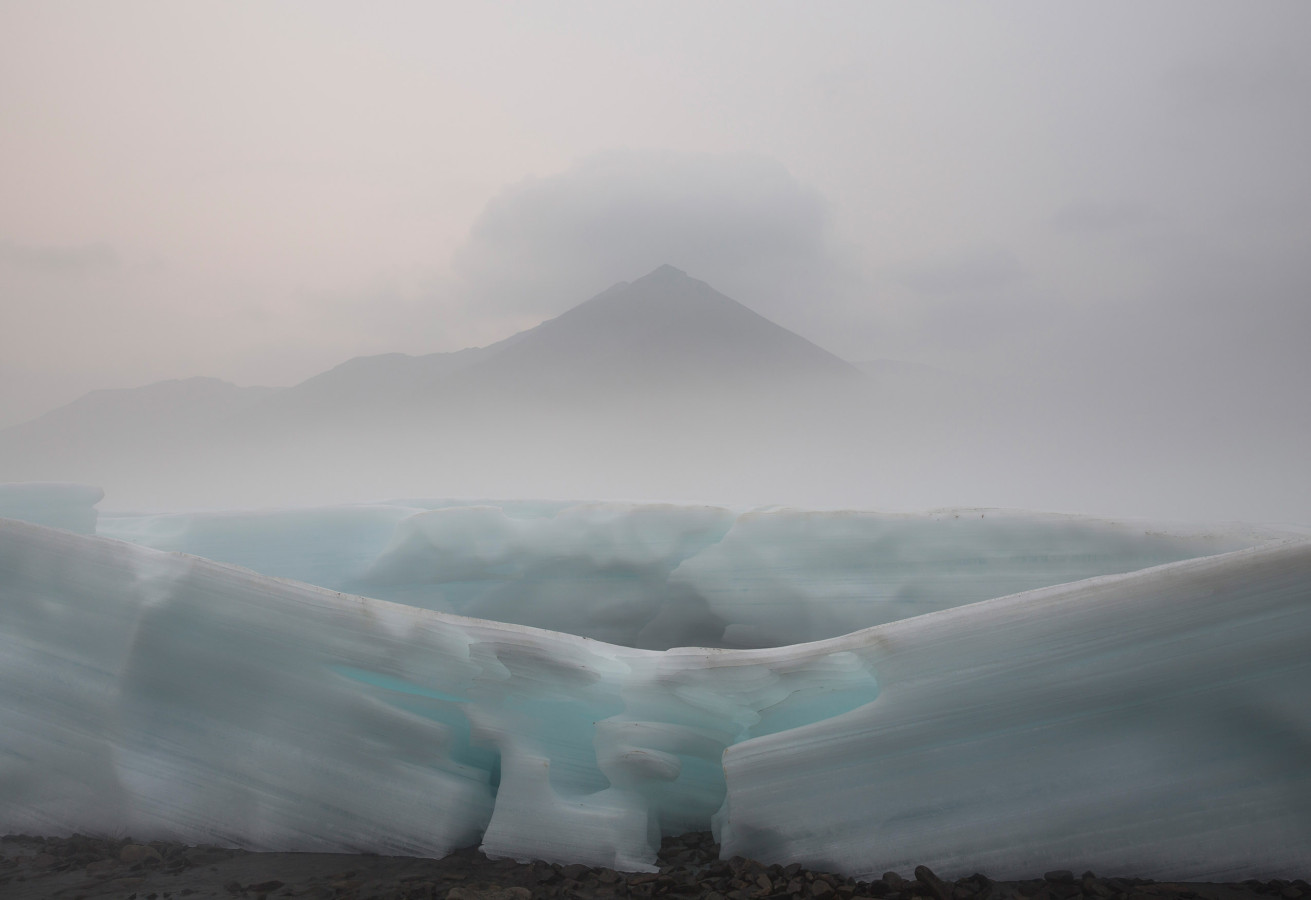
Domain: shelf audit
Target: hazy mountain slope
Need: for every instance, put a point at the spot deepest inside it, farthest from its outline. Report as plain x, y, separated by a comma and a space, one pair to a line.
152, 426
663, 337
364, 382
627, 394
663, 331
122, 415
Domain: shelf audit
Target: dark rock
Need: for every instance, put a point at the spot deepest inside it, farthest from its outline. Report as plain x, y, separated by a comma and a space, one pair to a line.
932, 883
689, 866
492, 892
103, 868
132, 854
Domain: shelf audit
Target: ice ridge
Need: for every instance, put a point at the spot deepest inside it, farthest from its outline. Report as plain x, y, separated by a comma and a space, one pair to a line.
658, 575
1154, 721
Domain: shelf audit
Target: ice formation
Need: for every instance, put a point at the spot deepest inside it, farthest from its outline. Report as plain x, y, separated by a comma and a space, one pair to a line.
1155, 722
58, 504
660, 576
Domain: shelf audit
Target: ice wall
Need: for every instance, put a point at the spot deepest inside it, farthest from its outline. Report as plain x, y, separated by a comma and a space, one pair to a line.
658, 576
329, 546
1155, 722
54, 503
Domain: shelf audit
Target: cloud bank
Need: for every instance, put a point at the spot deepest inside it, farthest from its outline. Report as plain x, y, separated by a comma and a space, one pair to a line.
741, 222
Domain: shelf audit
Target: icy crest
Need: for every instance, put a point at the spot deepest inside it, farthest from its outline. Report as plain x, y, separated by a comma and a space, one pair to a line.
54, 503
658, 576
1153, 721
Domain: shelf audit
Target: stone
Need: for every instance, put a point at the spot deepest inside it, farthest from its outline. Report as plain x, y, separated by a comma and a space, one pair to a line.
103, 868
491, 892
131, 854
925, 876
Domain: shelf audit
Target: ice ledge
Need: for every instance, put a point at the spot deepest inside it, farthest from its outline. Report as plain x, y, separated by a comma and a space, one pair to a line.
1153, 722
55, 503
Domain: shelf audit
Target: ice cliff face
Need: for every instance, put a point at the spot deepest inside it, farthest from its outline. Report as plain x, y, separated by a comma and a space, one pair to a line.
661, 576
1154, 722
60, 505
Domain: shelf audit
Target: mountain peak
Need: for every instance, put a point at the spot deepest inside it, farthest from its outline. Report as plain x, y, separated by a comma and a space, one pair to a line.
666, 328
664, 272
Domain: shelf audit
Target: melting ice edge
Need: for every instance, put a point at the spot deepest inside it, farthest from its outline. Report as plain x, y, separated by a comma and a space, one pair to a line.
1156, 721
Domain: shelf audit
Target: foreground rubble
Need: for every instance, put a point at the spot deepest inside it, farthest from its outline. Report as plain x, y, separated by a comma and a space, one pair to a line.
85, 868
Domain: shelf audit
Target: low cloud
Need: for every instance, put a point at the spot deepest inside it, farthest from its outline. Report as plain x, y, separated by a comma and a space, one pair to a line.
79, 259
980, 271
742, 223
1238, 85
1094, 217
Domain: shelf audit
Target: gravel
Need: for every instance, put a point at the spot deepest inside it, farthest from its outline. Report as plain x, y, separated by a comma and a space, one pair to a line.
83, 868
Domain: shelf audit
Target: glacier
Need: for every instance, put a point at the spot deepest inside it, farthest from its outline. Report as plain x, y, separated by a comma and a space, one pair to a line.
58, 504
658, 576
1026, 692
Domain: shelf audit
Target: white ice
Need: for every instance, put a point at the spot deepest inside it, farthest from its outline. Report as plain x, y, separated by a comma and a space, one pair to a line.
58, 504
1156, 723
660, 576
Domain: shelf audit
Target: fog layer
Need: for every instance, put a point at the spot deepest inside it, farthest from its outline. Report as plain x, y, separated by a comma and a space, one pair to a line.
666, 389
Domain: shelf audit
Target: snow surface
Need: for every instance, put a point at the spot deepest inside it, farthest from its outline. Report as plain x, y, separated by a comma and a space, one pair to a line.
1154, 723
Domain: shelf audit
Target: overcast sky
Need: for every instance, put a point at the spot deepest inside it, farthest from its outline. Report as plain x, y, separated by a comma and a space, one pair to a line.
258, 191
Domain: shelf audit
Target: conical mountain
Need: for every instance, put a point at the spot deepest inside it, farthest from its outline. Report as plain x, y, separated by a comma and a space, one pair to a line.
662, 368
665, 330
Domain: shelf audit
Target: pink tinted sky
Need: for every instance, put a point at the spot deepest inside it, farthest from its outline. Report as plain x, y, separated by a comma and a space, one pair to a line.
258, 191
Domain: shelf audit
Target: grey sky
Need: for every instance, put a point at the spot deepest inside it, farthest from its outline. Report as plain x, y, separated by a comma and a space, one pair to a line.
259, 191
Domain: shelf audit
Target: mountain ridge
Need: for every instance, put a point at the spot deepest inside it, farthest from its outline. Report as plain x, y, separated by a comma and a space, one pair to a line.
663, 355
665, 330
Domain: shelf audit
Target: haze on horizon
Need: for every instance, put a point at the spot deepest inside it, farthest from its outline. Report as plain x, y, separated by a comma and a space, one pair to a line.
1092, 218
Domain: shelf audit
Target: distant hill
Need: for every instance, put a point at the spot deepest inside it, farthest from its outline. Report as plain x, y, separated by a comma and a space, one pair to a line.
123, 417
644, 375
377, 383
664, 334
663, 331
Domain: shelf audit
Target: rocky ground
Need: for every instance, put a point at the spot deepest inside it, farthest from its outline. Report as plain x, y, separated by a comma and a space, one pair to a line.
84, 867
